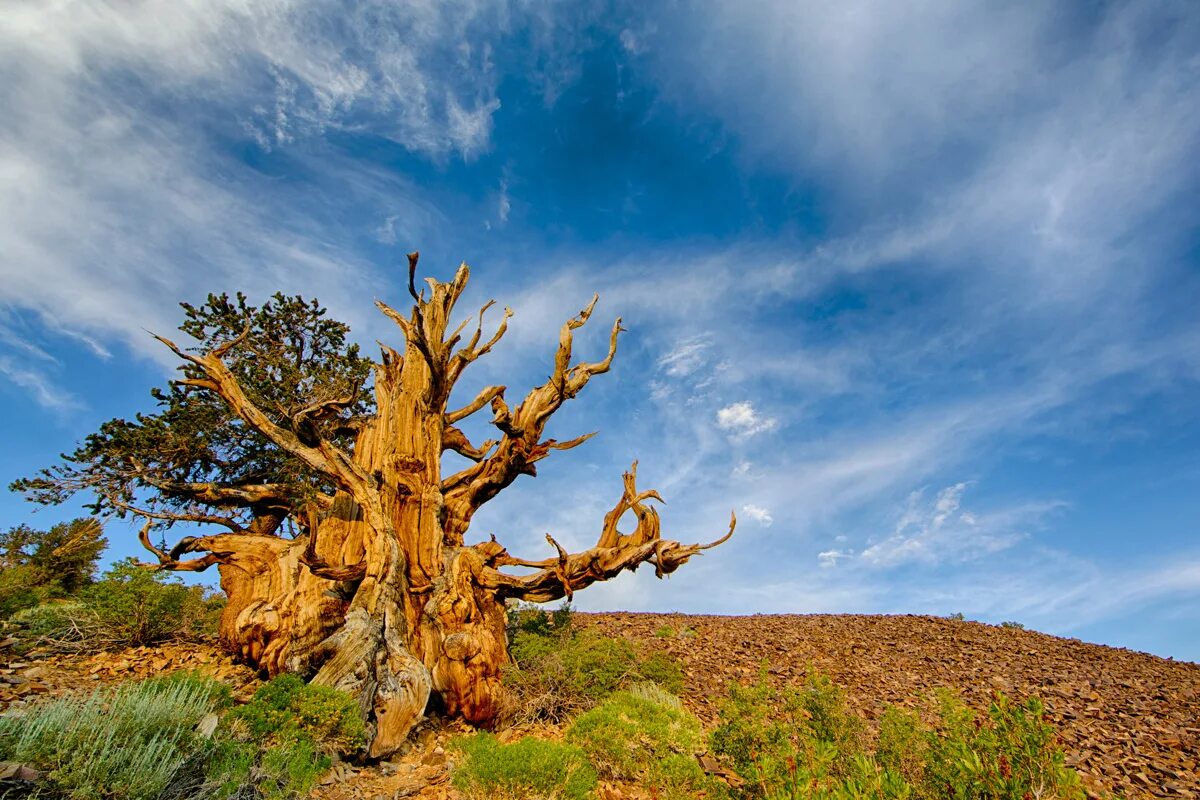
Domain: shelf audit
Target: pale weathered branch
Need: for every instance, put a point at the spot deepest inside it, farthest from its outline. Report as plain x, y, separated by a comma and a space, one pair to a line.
165, 559
454, 439
614, 552
469, 352
521, 447
487, 395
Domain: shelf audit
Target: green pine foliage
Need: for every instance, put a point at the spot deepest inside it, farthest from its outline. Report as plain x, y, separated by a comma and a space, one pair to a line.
36, 565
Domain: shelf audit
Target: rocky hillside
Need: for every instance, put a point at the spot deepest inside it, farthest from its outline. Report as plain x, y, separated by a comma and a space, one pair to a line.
1129, 722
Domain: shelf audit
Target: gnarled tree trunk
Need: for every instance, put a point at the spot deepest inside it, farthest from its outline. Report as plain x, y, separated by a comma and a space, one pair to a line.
380, 596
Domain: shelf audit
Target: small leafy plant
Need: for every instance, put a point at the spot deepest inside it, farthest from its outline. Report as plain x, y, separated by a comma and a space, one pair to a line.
529, 768
557, 676
643, 734
805, 744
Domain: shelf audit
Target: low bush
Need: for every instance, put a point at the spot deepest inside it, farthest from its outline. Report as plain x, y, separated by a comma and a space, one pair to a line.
140, 741
286, 710
527, 769
242, 769
530, 618
557, 676
670, 632
643, 734
124, 743
805, 744
129, 607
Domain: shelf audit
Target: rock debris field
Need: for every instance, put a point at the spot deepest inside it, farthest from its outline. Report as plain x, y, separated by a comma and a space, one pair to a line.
1129, 722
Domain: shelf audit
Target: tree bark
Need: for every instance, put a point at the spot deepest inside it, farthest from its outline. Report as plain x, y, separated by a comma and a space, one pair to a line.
380, 596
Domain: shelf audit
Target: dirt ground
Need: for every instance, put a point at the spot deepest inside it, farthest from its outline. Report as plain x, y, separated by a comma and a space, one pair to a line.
1129, 722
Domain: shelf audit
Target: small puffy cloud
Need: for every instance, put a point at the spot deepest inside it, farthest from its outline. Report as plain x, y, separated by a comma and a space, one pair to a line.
759, 514
741, 468
741, 419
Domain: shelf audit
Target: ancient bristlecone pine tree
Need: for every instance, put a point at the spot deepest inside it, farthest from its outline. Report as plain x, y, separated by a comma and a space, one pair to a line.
342, 545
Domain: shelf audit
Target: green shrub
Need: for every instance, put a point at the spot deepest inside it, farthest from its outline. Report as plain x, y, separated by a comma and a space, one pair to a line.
776, 740
557, 676
527, 769
807, 744
1013, 625
530, 618
644, 734
286, 710
1007, 752
131, 606
123, 743
665, 632
136, 606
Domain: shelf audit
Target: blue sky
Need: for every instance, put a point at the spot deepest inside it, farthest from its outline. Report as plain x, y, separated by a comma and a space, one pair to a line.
914, 290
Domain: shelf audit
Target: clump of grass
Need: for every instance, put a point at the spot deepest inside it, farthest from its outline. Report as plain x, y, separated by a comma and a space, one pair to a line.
644, 734
140, 741
527, 769
126, 743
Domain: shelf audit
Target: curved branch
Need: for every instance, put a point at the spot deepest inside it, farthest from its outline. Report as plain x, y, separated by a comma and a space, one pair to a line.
521, 447
486, 396
456, 440
168, 516
169, 561
614, 552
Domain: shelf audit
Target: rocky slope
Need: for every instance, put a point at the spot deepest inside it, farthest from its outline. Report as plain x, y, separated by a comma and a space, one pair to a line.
1129, 722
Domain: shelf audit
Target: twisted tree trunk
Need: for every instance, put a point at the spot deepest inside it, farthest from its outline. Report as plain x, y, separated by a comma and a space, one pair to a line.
381, 596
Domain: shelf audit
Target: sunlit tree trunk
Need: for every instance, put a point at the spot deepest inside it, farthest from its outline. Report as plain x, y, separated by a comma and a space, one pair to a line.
381, 596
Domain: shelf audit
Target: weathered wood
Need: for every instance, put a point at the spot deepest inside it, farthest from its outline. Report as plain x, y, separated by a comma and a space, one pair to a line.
379, 595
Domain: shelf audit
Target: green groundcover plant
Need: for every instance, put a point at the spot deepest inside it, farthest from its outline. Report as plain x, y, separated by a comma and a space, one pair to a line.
155, 740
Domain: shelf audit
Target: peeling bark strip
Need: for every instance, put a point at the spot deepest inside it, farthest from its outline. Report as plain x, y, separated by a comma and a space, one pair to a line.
379, 595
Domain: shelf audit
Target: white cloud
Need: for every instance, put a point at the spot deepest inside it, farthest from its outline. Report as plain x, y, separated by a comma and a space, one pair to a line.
686, 357
742, 420
39, 385
503, 204
759, 514
937, 532
117, 194
829, 559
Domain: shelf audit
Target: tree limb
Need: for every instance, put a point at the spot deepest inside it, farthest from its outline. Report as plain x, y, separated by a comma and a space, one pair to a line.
614, 552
